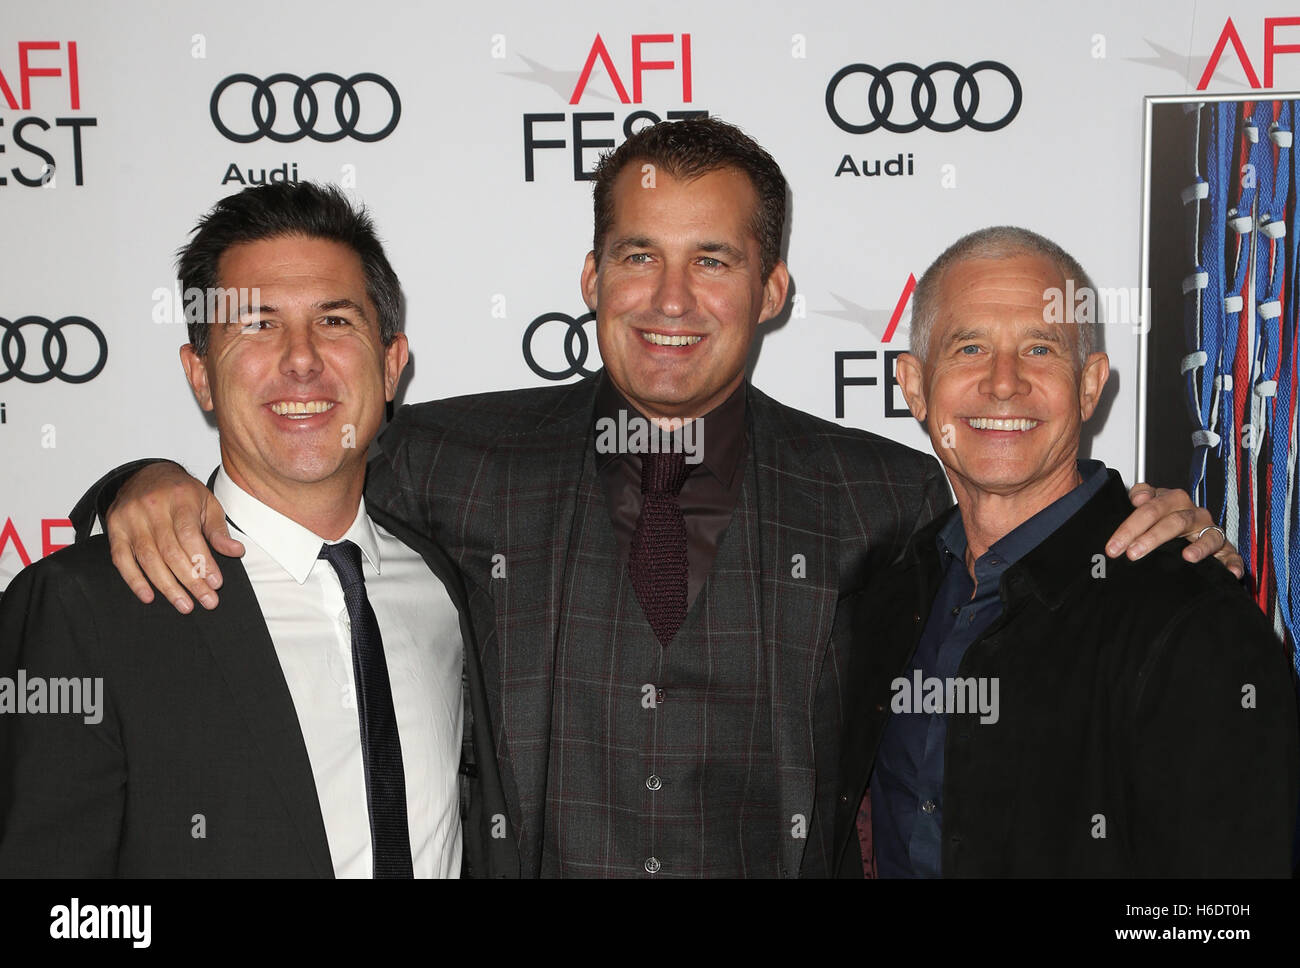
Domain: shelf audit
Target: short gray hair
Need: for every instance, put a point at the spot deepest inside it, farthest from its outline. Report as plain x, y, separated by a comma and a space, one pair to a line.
996, 242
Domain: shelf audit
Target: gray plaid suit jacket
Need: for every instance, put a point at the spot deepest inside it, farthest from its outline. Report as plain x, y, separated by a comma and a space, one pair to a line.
493, 478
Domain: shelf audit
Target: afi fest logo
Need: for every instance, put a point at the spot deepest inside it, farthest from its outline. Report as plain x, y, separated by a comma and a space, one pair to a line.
1230, 36
883, 325
658, 61
44, 78
49, 543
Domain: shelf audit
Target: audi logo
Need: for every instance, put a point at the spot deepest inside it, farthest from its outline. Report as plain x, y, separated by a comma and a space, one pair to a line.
880, 99
576, 345
54, 350
264, 108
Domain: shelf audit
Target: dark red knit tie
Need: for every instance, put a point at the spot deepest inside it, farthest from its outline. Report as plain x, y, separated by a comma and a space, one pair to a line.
656, 561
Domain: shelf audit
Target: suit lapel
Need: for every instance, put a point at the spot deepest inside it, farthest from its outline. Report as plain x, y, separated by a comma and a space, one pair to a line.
798, 587
241, 647
542, 472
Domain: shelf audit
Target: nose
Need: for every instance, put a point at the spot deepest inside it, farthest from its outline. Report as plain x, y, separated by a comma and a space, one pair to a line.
302, 357
674, 296
1004, 379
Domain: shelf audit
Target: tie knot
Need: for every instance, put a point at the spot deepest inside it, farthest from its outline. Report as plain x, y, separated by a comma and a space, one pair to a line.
346, 559
663, 473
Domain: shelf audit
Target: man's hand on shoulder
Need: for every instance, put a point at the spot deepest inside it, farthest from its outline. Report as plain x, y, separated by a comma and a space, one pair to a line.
1163, 514
156, 528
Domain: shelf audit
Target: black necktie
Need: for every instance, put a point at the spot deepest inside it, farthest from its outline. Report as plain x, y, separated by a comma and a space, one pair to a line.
656, 560
381, 748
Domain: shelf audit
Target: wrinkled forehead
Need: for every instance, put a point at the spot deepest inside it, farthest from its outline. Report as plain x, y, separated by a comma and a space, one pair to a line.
1001, 295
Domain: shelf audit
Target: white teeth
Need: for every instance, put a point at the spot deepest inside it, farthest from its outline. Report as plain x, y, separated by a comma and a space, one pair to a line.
660, 339
291, 408
996, 423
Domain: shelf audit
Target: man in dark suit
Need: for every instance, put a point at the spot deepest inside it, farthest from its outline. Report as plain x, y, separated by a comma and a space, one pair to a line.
661, 637
1031, 708
317, 724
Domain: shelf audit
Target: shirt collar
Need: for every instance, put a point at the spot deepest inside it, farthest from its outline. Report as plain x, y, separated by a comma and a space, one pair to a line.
293, 547
722, 434
1029, 534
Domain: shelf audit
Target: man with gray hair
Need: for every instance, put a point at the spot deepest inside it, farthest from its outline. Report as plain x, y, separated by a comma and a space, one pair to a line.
1055, 713
997, 242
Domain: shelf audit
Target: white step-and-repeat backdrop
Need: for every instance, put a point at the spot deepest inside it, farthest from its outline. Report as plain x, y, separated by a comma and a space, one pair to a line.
468, 131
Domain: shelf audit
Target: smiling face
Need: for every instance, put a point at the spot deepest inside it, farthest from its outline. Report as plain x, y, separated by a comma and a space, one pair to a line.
678, 291
1001, 393
299, 381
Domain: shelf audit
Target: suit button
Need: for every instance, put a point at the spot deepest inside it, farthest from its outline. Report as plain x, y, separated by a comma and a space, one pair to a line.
844, 798
653, 783
880, 707
927, 807
916, 616
652, 865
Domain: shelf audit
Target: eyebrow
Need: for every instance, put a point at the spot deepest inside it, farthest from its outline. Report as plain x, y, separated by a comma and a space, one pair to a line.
328, 306
334, 304
725, 248
645, 242
1051, 335
243, 311
631, 242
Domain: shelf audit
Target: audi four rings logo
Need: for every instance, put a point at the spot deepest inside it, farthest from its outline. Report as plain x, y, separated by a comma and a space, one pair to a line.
54, 350
576, 345
880, 99
264, 108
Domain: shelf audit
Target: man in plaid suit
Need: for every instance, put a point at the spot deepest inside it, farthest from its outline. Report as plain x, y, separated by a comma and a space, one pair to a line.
661, 639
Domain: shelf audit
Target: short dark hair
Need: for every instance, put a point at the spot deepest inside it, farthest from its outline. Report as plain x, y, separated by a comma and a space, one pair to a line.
318, 211
690, 148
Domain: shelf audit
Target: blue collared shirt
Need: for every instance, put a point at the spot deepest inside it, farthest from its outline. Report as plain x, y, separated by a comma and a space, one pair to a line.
907, 786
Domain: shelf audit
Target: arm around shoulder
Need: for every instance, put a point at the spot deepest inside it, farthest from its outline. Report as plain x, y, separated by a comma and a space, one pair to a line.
95, 502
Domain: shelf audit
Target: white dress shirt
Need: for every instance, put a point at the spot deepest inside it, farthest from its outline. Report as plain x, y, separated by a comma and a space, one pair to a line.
302, 602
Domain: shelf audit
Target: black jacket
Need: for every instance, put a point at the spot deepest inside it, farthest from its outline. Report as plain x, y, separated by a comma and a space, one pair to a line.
198, 720
1147, 721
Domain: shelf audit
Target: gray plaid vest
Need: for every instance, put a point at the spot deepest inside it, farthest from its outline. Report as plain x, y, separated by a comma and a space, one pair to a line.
661, 760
